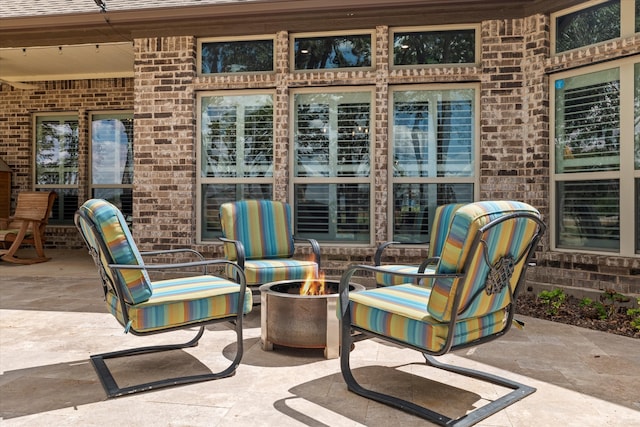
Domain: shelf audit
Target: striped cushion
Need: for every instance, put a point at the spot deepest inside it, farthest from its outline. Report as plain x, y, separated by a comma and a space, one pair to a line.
442, 220
510, 237
272, 270
438, 234
387, 279
399, 312
177, 302
113, 229
263, 226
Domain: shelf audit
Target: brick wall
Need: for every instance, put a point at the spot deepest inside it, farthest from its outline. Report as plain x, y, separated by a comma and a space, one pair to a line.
514, 120
16, 131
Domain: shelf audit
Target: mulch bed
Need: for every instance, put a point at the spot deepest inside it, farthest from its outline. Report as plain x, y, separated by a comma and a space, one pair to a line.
572, 313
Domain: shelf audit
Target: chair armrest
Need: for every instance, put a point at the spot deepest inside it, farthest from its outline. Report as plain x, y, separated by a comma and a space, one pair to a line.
315, 247
4, 223
204, 263
240, 254
174, 251
346, 276
427, 262
377, 258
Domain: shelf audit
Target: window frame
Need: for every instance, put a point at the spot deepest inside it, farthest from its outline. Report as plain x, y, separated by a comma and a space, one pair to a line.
261, 37
473, 179
625, 175
334, 180
435, 28
57, 115
237, 180
627, 22
292, 54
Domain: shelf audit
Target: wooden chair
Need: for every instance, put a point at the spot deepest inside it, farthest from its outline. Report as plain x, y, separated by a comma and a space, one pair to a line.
144, 306
27, 226
469, 299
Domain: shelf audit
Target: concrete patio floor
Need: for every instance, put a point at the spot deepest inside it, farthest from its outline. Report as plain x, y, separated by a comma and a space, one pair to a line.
52, 318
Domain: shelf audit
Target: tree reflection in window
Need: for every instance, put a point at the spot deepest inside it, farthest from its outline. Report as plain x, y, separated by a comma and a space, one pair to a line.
588, 26
346, 51
237, 56
434, 47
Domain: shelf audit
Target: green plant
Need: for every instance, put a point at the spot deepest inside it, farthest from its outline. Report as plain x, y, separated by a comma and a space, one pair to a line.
554, 299
635, 314
599, 308
611, 299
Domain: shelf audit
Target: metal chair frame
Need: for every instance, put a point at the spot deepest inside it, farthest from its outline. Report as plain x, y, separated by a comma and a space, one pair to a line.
350, 333
106, 377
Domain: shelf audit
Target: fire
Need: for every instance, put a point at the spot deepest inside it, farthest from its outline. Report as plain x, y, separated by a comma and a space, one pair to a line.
313, 286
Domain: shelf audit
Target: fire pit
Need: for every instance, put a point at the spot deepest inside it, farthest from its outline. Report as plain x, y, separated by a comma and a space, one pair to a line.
290, 319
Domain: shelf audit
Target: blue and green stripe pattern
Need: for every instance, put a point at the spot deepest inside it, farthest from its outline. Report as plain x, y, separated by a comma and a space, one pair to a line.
179, 302
442, 220
154, 305
399, 312
113, 229
421, 315
508, 238
264, 228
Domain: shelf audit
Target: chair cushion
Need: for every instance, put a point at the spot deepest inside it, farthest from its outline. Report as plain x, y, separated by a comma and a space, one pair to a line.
114, 230
178, 302
272, 270
399, 312
442, 219
441, 223
387, 279
507, 238
263, 226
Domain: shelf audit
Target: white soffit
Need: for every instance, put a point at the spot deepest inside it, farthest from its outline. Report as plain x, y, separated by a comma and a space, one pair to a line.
66, 62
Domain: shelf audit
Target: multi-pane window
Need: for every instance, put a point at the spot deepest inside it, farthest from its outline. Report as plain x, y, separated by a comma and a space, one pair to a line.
432, 149
238, 56
636, 150
112, 159
594, 22
332, 51
56, 162
236, 153
595, 144
444, 46
331, 165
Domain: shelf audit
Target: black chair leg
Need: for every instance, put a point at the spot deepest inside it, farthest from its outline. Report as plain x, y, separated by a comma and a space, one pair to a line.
519, 391
113, 390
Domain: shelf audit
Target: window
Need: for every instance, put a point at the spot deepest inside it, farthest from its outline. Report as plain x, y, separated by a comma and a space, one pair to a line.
56, 162
636, 132
331, 165
437, 46
112, 159
332, 51
236, 153
238, 56
433, 146
594, 22
596, 156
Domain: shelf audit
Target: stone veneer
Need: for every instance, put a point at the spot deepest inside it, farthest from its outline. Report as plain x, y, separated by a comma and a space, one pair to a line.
514, 120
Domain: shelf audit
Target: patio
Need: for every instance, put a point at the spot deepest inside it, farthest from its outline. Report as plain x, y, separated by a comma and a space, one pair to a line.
52, 318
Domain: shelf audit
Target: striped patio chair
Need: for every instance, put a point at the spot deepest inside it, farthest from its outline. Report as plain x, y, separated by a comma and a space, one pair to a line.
438, 233
467, 300
144, 306
258, 235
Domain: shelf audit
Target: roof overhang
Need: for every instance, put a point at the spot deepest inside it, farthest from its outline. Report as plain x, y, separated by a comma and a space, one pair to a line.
99, 44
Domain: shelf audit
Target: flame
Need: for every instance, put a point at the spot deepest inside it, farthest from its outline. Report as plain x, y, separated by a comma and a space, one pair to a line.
313, 286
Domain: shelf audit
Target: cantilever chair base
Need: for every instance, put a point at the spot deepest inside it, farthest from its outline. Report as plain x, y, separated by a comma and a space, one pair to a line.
466, 301
113, 390
519, 392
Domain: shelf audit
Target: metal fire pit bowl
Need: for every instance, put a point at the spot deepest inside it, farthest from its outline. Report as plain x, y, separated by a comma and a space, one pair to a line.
301, 321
